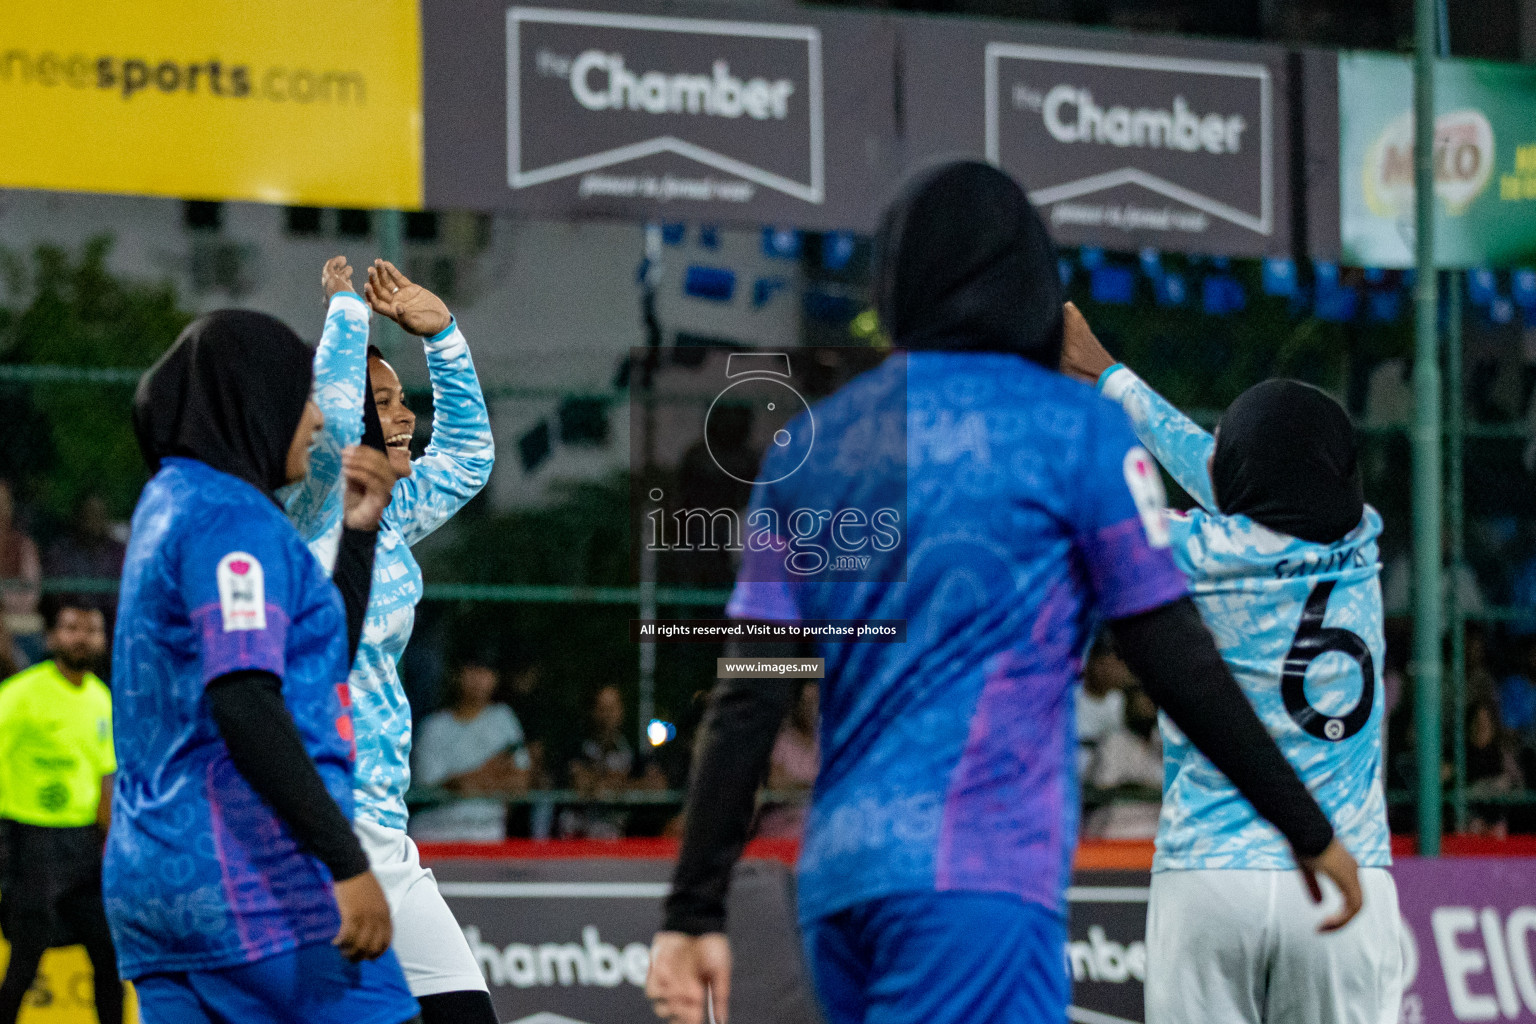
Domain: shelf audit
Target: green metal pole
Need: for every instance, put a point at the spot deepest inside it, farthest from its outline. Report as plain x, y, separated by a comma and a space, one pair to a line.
1455, 524
1426, 439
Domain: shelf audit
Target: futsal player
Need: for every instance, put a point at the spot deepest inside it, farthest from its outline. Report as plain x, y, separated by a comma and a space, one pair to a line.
234, 885
941, 830
349, 375
1283, 563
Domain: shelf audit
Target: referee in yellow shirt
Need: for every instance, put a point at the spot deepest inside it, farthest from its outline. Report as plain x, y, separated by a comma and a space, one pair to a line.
56, 765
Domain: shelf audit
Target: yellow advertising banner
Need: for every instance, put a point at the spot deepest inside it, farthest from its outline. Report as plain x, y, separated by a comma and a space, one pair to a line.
285, 101
61, 994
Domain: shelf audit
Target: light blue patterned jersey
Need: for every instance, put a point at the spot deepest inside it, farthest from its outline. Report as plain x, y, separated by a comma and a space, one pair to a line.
455, 466
1300, 626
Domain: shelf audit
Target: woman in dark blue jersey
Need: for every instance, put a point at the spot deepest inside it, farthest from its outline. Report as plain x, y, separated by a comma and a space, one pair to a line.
233, 883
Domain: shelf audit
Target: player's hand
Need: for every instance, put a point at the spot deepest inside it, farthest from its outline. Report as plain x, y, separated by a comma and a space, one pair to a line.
370, 480
1339, 867
335, 277
365, 929
1082, 357
392, 294
687, 974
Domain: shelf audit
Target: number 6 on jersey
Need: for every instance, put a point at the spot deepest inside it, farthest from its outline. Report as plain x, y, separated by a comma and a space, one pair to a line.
1313, 640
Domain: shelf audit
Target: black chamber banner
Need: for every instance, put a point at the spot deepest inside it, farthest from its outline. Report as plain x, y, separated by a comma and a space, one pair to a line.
1123, 141
568, 941
688, 115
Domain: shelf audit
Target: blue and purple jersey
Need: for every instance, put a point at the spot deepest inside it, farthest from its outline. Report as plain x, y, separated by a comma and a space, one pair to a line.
200, 873
948, 761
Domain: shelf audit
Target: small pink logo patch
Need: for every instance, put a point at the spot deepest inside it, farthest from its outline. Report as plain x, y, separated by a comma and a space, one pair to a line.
240, 568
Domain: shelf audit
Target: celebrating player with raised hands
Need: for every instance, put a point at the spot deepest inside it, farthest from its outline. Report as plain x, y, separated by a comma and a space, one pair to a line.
1283, 565
234, 885
354, 384
933, 872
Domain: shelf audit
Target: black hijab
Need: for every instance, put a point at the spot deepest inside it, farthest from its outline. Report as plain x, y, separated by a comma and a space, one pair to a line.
964, 263
230, 392
1285, 457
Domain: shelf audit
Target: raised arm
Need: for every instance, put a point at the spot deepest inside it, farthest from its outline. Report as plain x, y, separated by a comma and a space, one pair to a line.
341, 370
458, 460
1175, 440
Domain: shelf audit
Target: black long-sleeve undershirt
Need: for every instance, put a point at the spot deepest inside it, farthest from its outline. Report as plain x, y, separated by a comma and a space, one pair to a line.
1169, 648
353, 576
730, 761
265, 746
353, 572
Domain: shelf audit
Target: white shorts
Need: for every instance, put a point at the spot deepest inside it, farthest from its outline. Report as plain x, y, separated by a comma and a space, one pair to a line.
428, 941
1241, 947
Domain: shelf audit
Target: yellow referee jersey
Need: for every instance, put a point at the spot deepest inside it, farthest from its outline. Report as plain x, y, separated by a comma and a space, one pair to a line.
55, 746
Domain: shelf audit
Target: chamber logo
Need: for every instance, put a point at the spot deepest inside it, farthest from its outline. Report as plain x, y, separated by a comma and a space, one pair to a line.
1133, 141
591, 92
600, 81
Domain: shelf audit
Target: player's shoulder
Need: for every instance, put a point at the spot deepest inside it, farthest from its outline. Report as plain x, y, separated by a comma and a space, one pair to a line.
202, 496
1235, 546
1059, 393
244, 513
98, 690
20, 685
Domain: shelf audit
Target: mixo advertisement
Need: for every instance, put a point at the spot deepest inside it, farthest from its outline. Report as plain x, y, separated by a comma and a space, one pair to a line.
1484, 162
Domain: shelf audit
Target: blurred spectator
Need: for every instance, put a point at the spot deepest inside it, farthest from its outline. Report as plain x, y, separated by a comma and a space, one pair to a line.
10, 658
1481, 684
476, 749
1127, 764
792, 766
1100, 700
88, 550
605, 767
20, 573
56, 771
1492, 768
1522, 594
530, 699
1517, 695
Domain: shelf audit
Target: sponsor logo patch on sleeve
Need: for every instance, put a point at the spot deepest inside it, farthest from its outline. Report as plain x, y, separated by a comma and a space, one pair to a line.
1146, 486
242, 595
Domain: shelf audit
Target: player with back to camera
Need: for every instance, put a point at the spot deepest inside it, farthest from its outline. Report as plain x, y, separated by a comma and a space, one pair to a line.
235, 888
1282, 561
939, 840
439, 966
